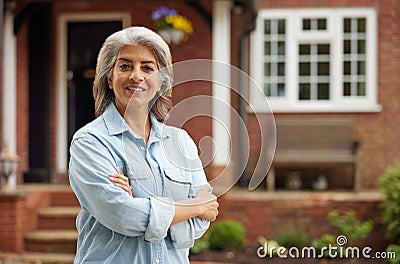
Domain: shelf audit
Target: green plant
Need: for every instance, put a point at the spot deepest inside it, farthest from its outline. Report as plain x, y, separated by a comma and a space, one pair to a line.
393, 248
389, 183
226, 234
294, 236
324, 242
200, 245
350, 226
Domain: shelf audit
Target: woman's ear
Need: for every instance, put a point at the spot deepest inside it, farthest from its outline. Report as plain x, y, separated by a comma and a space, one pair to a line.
109, 81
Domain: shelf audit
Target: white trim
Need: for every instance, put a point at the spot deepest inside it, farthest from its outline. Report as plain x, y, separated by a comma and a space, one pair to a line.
332, 35
221, 52
61, 81
10, 82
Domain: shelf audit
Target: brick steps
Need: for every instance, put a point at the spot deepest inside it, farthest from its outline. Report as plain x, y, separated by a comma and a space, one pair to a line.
54, 241
45, 258
58, 217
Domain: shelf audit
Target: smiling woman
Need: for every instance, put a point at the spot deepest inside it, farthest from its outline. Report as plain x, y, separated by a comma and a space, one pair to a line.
138, 206
130, 79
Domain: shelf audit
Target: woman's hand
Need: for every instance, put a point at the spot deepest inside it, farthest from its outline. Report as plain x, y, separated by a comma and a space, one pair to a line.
204, 205
121, 181
208, 203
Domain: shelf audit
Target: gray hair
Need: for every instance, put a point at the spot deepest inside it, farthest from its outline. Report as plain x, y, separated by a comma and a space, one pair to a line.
103, 96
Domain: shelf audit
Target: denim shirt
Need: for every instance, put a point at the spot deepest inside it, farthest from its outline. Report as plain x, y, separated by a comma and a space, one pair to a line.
114, 227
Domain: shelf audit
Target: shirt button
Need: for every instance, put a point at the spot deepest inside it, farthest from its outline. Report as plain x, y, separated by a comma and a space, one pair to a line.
157, 261
141, 148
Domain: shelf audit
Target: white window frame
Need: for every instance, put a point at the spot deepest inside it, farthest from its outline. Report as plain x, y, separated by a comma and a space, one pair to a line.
332, 35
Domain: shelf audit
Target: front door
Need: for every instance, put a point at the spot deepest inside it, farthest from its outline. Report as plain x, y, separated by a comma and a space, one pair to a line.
84, 42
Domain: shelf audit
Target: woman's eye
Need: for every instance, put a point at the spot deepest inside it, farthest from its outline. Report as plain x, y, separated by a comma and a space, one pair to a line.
148, 68
124, 67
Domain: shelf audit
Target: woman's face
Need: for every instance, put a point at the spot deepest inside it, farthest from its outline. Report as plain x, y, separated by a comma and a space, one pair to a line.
130, 78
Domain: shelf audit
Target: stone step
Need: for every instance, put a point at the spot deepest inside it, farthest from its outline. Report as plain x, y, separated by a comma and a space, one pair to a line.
45, 258
64, 198
58, 217
55, 241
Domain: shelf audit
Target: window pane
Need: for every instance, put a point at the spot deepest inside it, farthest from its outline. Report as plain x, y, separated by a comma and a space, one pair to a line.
346, 67
304, 49
361, 27
306, 24
323, 68
361, 67
267, 27
361, 89
304, 91
321, 24
347, 46
347, 25
323, 49
361, 46
281, 26
267, 89
304, 69
274, 61
281, 89
347, 89
267, 69
281, 48
281, 69
267, 48
354, 51
323, 91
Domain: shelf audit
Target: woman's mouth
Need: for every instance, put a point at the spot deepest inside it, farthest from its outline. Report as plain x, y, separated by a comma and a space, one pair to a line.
135, 89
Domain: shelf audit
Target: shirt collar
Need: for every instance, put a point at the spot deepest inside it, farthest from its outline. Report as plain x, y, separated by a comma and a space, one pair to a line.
114, 121
158, 128
116, 124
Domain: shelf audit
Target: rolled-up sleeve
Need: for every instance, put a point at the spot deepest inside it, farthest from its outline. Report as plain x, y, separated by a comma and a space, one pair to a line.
184, 233
89, 169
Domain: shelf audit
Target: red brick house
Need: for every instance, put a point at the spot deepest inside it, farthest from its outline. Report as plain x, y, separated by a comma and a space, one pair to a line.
314, 60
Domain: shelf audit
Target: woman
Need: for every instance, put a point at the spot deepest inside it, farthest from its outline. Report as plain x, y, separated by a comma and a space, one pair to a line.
172, 202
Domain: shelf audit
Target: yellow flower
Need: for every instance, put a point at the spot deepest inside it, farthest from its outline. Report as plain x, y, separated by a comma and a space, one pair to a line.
180, 22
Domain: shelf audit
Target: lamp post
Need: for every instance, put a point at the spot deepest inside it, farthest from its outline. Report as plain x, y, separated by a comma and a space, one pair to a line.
8, 167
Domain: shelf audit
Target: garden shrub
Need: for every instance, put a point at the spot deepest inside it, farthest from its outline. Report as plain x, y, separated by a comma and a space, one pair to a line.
389, 183
349, 226
396, 249
293, 236
226, 234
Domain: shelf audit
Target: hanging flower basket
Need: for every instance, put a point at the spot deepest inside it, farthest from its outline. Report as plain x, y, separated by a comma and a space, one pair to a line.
171, 26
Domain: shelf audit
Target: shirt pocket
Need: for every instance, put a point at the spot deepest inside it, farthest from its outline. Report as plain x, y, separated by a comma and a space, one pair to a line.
178, 184
141, 182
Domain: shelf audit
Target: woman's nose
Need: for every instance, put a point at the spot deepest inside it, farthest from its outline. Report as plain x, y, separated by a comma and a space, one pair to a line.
136, 75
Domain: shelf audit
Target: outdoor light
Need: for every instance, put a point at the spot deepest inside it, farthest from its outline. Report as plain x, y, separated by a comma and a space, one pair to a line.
8, 166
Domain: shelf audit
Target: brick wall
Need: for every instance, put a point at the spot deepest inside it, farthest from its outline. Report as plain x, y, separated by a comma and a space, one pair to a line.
22, 101
12, 222
269, 214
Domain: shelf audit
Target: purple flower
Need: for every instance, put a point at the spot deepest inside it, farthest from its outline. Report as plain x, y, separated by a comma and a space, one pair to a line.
162, 12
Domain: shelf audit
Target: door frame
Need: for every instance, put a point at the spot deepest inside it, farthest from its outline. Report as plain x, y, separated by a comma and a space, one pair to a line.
62, 144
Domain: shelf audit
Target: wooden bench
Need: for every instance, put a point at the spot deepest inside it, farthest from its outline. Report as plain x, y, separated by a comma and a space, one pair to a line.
309, 141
